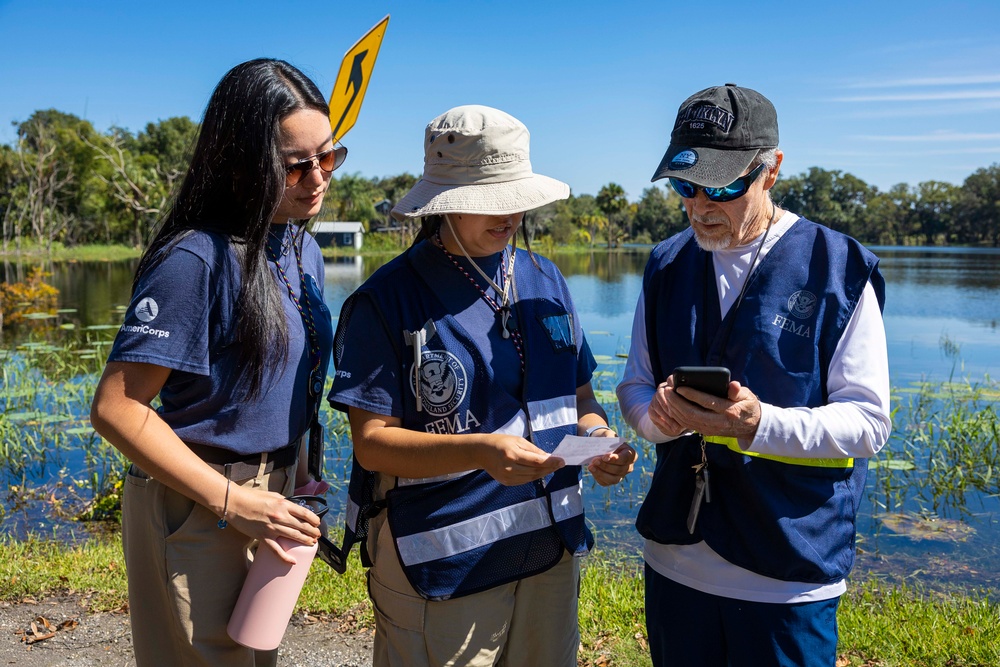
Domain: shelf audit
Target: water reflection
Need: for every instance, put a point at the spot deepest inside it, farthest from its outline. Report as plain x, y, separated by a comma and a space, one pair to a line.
941, 322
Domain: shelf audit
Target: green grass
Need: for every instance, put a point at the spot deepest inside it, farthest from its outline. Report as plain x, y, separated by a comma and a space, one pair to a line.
887, 626
894, 626
78, 253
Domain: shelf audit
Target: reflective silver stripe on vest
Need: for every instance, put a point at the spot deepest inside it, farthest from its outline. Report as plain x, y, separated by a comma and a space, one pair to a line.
516, 426
552, 413
497, 525
467, 535
351, 520
567, 503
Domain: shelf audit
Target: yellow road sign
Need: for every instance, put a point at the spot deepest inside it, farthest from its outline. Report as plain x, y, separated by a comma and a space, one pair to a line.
352, 80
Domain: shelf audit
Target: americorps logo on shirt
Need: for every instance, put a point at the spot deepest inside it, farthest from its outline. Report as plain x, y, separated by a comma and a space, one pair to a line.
146, 311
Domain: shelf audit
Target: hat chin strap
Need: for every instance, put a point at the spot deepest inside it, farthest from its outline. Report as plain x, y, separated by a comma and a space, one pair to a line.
508, 275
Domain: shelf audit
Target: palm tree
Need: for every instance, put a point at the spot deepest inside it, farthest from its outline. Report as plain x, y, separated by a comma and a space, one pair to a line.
612, 201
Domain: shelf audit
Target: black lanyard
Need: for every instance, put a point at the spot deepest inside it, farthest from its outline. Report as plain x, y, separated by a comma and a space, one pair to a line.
306, 313
727, 329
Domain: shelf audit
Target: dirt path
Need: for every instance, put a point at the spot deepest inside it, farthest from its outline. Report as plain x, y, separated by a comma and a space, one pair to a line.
104, 639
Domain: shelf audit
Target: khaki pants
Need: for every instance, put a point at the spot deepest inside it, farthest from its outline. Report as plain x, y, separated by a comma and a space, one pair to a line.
528, 622
185, 574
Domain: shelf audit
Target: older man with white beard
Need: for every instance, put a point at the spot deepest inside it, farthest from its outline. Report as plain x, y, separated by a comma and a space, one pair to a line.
749, 522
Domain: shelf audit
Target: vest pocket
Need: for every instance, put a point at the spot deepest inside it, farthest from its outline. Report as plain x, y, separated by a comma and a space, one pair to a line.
560, 330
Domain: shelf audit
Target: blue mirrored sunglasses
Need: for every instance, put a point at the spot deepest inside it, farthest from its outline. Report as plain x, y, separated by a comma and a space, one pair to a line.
734, 190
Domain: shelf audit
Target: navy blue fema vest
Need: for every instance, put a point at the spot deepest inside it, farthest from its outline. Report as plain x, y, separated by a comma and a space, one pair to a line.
463, 533
789, 519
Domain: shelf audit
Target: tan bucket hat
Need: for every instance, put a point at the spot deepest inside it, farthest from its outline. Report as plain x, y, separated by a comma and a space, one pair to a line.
476, 161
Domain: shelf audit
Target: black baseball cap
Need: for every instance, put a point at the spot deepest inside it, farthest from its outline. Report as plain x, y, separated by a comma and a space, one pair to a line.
717, 134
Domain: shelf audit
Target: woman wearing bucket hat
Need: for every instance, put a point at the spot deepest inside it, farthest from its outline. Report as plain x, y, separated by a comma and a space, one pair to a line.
462, 365
228, 327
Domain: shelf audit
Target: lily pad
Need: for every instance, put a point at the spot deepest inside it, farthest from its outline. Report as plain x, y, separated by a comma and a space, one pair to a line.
605, 396
892, 464
599, 333
38, 316
920, 528
19, 417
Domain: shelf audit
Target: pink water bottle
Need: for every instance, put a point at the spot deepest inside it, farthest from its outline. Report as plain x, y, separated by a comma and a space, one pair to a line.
271, 590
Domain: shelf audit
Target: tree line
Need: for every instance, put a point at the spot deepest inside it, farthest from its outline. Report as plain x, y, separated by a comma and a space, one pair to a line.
63, 181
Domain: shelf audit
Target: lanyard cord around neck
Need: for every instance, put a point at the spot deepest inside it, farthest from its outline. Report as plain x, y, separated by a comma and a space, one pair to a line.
305, 313
506, 277
746, 283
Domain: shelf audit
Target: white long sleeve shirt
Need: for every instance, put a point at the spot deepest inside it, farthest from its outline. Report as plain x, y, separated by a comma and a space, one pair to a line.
855, 423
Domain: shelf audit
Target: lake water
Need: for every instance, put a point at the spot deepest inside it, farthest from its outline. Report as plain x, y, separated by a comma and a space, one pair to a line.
941, 316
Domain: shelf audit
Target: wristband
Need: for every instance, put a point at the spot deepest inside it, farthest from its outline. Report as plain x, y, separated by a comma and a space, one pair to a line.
590, 431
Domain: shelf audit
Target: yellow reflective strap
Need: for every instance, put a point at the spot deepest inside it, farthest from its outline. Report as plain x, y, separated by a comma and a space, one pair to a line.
732, 444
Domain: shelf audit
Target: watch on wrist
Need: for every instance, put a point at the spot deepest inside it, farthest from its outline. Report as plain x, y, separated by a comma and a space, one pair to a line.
590, 431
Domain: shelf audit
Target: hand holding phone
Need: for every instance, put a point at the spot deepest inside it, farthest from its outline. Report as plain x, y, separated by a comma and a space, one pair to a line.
712, 380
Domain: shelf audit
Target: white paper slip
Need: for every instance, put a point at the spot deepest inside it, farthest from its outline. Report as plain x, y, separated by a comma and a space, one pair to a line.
578, 450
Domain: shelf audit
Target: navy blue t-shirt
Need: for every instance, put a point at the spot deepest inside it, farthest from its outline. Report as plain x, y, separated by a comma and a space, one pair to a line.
183, 316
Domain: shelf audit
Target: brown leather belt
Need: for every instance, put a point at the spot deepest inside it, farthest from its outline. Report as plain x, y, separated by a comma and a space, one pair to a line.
245, 466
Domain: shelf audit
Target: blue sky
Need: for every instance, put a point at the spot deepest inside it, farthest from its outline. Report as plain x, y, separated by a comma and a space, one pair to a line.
889, 91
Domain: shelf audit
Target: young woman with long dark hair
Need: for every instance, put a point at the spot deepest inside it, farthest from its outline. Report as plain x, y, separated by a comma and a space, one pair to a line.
227, 326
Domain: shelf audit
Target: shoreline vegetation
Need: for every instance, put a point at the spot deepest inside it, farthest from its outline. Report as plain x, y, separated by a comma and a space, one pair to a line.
386, 244
896, 625
64, 181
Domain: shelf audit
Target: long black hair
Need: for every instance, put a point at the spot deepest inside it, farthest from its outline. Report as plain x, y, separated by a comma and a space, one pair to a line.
233, 186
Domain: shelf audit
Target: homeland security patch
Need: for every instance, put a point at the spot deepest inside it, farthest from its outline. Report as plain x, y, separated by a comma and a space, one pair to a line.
443, 382
802, 304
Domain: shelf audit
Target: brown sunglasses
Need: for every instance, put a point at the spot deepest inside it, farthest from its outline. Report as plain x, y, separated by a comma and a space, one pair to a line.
328, 161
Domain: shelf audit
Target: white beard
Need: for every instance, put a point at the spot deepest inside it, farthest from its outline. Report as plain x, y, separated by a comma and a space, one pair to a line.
714, 242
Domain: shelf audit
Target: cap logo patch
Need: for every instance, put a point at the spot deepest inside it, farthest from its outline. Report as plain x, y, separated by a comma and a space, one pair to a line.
698, 115
684, 160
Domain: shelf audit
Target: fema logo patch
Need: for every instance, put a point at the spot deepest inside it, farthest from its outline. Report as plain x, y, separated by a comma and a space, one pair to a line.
146, 310
684, 160
802, 304
443, 382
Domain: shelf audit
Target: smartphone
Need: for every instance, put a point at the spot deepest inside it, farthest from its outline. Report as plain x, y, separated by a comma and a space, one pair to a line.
331, 555
709, 379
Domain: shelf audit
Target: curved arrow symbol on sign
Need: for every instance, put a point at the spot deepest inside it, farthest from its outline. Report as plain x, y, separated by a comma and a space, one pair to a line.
356, 79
